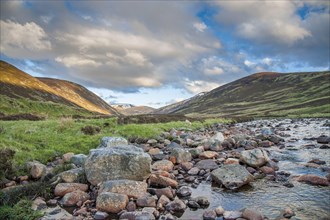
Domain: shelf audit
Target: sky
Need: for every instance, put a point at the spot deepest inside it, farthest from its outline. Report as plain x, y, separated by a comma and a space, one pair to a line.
159, 52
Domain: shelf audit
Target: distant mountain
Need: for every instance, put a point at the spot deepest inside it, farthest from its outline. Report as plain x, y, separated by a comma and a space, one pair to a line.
129, 109
22, 90
264, 94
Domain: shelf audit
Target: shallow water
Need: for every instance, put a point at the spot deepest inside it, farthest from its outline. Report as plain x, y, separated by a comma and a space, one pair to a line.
268, 197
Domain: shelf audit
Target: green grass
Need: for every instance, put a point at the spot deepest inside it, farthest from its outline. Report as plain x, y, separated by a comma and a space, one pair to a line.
44, 140
20, 211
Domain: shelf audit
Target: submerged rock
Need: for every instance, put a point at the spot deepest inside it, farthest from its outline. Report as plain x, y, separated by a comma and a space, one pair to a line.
313, 180
232, 176
121, 162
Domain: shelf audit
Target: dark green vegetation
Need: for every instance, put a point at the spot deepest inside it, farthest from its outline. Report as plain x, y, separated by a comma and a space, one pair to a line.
20, 211
22, 93
263, 95
44, 140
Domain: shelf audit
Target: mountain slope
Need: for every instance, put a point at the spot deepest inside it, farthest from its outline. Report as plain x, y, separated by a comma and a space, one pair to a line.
17, 86
263, 94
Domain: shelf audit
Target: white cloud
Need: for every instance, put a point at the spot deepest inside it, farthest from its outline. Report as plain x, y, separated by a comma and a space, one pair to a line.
249, 63
214, 71
76, 61
200, 26
20, 39
267, 61
199, 86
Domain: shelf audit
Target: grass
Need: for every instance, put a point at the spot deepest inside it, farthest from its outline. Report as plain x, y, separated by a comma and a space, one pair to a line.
20, 211
44, 140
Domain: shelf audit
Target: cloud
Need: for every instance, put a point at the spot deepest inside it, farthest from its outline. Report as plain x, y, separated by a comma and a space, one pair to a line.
19, 40
199, 86
214, 71
75, 61
200, 26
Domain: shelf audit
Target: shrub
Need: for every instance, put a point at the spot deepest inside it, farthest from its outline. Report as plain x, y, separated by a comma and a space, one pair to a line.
6, 159
90, 130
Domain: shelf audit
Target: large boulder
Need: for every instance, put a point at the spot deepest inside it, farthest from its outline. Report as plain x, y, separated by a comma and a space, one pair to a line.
111, 202
112, 142
254, 158
63, 188
231, 176
121, 162
131, 188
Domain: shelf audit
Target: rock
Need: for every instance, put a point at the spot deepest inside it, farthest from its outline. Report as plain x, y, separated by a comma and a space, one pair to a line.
207, 164
52, 202
63, 188
267, 170
231, 176
71, 199
324, 146
67, 157
168, 192
10, 183
78, 159
112, 142
153, 211
186, 166
162, 201
38, 204
266, 144
37, 169
168, 216
323, 139
122, 162
146, 201
254, 158
100, 215
152, 141
165, 165
232, 215
275, 139
317, 161
195, 152
288, 213
176, 206
208, 155
266, 131
231, 161
154, 151
23, 178
250, 214
81, 211
111, 202
71, 176
131, 188
193, 204
209, 215
184, 191
194, 171
157, 180
313, 180
219, 210
218, 137
202, 201
131, 206
56, 213
179, 155
137, 215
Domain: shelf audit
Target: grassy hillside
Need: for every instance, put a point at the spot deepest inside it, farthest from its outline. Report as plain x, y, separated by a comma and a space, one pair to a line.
20, 90
264, 95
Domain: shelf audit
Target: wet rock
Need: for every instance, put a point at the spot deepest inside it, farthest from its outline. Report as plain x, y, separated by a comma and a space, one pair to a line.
131, 188
208, 155
288, 213
232, 215
63, 188
266, 131
254, 158
137, 215
101, 215
71, 199
179, 155
168, 192
153, 211
176, 206
266, 144
67, 157
323, 139
157, 180
324, 146
131, 206
317, 161
78, 159
193, 204
37, 169
168, 216
184, 191
202, 201
275, 139
71, 176
38, 204
162, 202
146, 201
165, 165
112, 142
231, 176
111, 202
121, 162
250, 214
209, 215
194, 171
219, 211
207, 164
313, 180
247, 144
190, 179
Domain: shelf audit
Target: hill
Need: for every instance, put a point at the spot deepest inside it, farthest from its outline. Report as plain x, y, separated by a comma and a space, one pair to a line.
264, 94
129, 109
23, 93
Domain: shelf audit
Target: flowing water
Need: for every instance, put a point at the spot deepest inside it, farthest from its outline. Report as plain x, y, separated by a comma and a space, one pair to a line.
270, 197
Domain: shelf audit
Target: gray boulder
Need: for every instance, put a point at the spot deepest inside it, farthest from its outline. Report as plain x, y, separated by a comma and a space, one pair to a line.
120, 162
71, 176
112, 142
254, 158
78, 159
180, 155
231, 176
